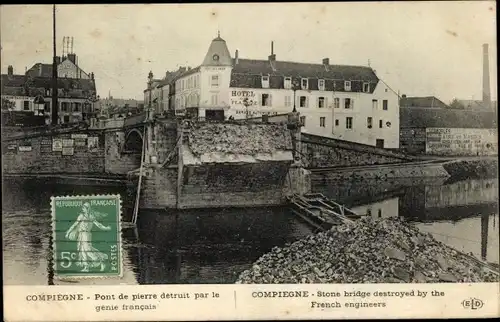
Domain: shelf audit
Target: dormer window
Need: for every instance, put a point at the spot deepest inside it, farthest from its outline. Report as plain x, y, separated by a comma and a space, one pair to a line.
265, 81
347, 86
288, 83
321, 84
366, 87
304, 83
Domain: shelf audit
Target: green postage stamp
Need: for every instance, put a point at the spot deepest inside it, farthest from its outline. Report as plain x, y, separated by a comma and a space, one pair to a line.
87, 236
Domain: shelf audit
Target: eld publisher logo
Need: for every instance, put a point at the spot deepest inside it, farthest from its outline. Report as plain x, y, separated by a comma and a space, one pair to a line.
472, 303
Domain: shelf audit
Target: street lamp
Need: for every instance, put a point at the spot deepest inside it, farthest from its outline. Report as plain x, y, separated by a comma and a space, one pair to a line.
247, 103
295, 87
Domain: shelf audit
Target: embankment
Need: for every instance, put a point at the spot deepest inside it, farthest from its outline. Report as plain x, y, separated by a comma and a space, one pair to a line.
472, 169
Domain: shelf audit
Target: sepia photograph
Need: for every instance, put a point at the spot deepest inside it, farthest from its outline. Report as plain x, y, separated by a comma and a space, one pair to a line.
249, 144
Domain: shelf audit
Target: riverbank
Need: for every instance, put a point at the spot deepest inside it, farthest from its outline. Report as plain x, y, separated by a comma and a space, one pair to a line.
367, 251
472, 169
453, 170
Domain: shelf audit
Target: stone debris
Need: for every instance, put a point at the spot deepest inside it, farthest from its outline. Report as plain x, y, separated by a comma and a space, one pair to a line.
248, 139
369, 250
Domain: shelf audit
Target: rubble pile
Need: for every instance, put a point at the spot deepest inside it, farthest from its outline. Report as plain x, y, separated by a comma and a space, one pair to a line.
246, 139
367, 251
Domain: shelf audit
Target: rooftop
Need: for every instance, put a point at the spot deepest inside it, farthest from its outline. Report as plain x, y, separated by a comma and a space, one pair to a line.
446, 118
425, 101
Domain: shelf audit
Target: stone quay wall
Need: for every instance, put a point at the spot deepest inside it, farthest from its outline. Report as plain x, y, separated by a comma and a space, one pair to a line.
78, 152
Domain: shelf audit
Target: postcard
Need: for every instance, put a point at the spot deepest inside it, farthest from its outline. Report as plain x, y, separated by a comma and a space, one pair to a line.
244, 161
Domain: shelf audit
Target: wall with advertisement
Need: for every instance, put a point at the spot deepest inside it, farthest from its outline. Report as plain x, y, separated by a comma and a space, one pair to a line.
461, 141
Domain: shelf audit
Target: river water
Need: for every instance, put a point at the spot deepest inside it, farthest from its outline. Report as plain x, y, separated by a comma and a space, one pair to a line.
215, 246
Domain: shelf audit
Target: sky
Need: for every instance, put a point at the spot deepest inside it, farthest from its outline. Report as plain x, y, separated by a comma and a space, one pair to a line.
418, 48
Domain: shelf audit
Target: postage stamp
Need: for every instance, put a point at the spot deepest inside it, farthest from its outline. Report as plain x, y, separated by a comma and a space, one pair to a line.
86, 234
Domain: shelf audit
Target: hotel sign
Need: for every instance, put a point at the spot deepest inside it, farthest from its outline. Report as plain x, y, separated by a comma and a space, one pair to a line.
8, 97
238, 96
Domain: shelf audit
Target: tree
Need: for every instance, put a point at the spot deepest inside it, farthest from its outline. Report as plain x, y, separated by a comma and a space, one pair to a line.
456, 104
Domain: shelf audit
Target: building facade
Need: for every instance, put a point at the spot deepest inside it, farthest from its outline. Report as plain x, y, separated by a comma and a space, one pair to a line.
344, 102
32, 92
445, 131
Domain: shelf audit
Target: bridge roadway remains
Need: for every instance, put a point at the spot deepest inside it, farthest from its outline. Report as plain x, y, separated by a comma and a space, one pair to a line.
195, 180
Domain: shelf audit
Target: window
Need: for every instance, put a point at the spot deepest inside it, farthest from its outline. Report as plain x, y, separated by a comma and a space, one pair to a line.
64, 106
348, 122
347, 86
303, 120
380, 123
374, 104
47, 92
385, 105
77, 107
265, 81
337, 122
66, 118
321, 84
336, 102
214, 99
304, 82
47, 107
266, 100
366, 87
303, 101
182, 86
321, 102
194, 81
215, 81
26, 105
288, 83
369, 122
288, 101
347, 103
322, 121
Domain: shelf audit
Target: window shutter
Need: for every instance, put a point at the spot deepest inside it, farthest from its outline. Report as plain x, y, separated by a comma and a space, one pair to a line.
352, 103
307, 101
326, 102
317, 102
270, 100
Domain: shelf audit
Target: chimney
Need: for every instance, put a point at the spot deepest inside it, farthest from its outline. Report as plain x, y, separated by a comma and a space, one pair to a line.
72, 58
236, 57
10, 70
326, 63
272, 57
486, 78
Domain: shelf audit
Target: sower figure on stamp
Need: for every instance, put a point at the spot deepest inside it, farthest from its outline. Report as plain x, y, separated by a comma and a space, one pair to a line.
81, 231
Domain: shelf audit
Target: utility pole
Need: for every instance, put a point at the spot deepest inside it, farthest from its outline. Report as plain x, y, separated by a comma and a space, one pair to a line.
54, 71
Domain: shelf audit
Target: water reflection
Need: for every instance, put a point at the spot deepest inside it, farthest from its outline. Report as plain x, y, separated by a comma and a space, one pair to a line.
461, 214
214, 246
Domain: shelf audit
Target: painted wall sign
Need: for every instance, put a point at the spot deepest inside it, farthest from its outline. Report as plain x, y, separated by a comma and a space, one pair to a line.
26, 98
57, 145
456, 141
215, 68
79, 136
237, 97
80, 143
93, 143
255, 113
25, 148
67, 151
68, 143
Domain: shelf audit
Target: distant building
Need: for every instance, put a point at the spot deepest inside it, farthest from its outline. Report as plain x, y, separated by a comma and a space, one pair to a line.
445, 131
345, 102
32, 92
426, 101
106, 105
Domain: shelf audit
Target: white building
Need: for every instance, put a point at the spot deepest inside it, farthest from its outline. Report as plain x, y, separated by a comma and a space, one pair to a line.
338, 101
